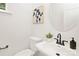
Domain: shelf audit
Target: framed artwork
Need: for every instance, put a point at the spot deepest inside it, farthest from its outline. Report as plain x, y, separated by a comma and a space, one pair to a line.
38, 15
3, 6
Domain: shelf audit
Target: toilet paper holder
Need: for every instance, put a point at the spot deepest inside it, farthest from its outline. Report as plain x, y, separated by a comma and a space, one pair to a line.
4, 47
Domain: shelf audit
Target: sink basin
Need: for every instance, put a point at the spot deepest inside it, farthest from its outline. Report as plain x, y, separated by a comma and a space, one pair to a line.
51, 49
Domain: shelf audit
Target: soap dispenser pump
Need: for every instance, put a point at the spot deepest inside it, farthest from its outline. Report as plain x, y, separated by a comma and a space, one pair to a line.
73, 43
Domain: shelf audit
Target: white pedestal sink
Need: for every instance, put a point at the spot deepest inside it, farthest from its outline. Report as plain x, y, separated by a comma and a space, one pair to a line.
51, 49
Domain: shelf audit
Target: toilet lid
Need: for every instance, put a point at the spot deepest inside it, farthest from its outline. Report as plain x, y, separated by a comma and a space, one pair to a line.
26, 52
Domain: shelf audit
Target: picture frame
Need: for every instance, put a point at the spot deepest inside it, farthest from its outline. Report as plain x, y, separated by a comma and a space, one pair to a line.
38, 15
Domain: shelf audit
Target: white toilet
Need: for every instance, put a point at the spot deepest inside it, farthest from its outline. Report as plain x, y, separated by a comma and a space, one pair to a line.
31, 51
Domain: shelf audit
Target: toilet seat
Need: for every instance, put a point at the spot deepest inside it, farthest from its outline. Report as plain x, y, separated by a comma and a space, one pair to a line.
27, 52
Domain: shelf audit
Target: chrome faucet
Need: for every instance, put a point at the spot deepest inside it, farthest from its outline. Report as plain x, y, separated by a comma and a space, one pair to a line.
59, 41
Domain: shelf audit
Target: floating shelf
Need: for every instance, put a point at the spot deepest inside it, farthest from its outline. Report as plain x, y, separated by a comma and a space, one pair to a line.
5, 11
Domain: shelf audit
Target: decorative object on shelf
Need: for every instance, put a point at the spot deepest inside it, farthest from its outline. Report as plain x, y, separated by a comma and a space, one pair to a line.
38, 15
3, 6
49, 36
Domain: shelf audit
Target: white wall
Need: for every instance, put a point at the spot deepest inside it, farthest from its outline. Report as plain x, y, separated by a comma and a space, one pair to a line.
55, 12
40, 30
15, 29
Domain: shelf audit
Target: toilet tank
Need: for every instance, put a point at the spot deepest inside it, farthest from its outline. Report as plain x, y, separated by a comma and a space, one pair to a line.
33, 42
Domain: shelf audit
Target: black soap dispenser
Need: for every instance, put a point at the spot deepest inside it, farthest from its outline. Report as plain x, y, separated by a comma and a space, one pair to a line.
73, 43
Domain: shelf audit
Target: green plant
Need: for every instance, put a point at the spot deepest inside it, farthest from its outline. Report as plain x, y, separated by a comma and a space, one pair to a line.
3, 6
49, 35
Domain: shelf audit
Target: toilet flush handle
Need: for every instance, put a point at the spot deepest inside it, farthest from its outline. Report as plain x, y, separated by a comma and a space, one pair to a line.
4, 47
